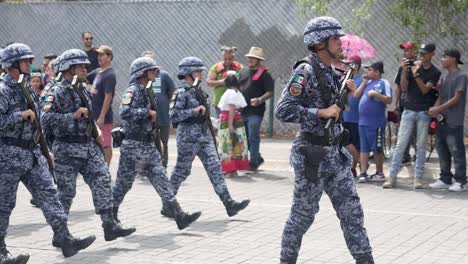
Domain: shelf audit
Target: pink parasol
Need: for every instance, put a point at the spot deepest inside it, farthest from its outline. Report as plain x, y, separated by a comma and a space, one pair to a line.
355, 45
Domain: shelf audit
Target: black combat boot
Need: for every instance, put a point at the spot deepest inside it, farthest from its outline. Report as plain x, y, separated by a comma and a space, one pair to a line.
233, 207
113, 229
7, 258
167, 210
182, 218
364, 258
69, 244
288, 260
115, 211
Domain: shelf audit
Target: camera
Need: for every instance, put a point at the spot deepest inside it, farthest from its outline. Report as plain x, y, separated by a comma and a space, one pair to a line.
410, 62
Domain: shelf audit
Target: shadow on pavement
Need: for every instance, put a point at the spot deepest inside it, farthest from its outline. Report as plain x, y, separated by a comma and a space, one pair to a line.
15, 231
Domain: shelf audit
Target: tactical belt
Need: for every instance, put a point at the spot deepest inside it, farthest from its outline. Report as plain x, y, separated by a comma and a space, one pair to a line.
140, 137
26, 144
74, 139
193, 120
322, 141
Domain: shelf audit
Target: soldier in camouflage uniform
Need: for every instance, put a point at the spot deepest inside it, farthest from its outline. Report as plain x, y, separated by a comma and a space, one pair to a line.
138, 152
75, 151
21, 158
194, 139
320, 161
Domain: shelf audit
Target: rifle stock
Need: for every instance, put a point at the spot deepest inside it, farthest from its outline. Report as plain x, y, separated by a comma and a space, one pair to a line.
343, 93
206, 117
39, 137
154, 107
91, 128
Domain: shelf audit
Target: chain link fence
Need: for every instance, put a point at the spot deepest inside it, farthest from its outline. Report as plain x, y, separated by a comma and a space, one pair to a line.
178, 28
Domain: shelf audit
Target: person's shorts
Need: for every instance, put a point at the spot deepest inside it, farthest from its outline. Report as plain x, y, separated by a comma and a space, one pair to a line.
353, 129
107, 135
371, 139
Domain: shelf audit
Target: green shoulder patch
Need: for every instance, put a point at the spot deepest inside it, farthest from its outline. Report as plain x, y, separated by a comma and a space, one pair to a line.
50, 98
127, 98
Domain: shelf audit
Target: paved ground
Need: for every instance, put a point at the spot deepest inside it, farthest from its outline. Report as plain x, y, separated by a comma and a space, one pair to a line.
405, 226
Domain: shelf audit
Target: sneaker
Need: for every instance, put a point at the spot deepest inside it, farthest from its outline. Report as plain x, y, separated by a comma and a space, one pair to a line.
362, 177
378, 177
389, 183
456, 187
439, 185
418, 183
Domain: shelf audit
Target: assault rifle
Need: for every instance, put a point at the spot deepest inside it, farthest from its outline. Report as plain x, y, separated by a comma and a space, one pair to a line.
39, 137
205, 117
342, 96
91, 128
155, 126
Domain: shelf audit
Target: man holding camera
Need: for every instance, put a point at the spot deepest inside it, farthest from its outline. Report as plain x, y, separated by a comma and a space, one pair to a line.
417, 79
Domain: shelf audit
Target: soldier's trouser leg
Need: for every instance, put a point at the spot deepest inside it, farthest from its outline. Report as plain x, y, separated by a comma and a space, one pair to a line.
126, 174
96, 174
185, 155
41, 186
304, 207
340, 187
66, 171
155, 172
8, 186
212, 165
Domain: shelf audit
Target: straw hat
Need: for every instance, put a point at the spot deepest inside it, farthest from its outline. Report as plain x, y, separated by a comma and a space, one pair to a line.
257, 53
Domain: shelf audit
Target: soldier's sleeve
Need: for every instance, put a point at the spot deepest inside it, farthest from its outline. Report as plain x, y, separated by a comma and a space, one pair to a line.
292, 106
7, 119
129, 110
52, 117
179, 111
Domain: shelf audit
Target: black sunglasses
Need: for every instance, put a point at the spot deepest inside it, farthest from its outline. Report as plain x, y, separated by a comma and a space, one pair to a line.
91, 38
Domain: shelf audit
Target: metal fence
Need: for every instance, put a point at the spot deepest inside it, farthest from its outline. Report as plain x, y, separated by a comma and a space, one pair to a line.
178, 28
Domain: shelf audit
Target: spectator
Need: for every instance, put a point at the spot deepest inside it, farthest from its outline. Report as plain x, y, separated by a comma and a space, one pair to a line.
164, 87
450, 111
103, 88
87, 39
218, 73
374, 94
36, 83
410, 54
417, 80
351, 115
45, 67
232, 137
257, 86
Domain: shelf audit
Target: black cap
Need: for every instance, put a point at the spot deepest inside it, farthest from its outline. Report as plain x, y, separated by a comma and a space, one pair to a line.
377, 66
454, 54
427, 48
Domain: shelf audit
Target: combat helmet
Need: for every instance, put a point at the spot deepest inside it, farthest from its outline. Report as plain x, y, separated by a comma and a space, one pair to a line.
140, 65
13, 53
188, 65
71, 57
321, 28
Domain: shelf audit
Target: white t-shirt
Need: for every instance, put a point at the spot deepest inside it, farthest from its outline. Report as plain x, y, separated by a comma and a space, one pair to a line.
229, 97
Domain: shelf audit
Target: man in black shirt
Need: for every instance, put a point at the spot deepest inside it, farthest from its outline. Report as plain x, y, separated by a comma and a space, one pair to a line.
418, 80
257, 86
87, 39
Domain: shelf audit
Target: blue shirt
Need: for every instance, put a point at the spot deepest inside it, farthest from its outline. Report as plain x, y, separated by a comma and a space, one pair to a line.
163, 87
352, 115
371, 110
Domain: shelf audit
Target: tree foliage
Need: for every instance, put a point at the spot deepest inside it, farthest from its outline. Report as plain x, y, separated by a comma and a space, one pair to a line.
421, 17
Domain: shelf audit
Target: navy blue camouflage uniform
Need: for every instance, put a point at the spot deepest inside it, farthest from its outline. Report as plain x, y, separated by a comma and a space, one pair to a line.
195, 139
299, 103
23, 163
75, 151
138, 153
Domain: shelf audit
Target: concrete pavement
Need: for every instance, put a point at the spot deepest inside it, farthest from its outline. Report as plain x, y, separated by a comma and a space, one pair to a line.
404, 225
